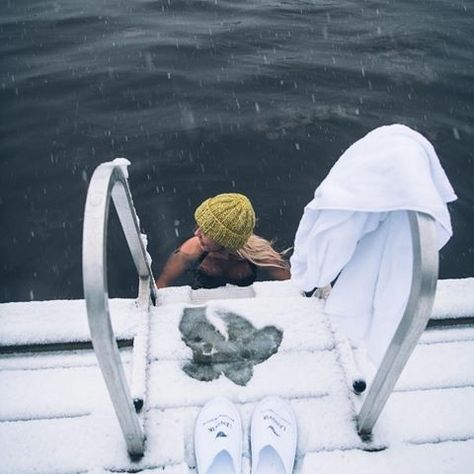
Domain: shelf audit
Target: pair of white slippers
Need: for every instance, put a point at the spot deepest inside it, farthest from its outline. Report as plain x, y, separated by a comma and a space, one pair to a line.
218, 438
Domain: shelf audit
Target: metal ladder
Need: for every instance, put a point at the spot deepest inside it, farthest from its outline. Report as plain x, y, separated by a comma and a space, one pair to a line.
109, 181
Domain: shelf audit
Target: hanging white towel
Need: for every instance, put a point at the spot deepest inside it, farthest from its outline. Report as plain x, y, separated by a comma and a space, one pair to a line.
357, 227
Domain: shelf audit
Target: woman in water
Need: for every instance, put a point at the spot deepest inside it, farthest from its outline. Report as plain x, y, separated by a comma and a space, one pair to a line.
224, 248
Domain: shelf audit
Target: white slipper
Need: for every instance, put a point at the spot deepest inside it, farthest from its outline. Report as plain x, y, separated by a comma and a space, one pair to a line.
218, 438
274, 435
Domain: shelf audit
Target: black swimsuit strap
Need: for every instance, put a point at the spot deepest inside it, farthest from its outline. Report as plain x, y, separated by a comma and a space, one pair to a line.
201, 258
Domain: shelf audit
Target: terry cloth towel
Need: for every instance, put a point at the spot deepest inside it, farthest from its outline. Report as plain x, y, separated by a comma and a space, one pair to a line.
357, 227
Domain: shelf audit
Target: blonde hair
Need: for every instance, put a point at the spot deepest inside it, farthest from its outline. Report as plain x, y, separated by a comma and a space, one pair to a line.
260, 252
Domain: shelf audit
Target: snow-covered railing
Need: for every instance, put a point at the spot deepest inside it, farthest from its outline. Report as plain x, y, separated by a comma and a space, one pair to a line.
110, 181
412, 324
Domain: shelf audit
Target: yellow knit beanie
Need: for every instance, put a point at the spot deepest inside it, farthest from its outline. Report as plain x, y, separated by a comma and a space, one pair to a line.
228, 219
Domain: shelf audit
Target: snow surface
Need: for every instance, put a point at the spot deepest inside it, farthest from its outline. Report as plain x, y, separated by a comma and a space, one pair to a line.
56, 416
41, 322
454, 298
443, 458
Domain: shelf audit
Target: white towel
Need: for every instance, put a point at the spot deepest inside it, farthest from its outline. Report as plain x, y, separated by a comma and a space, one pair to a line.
357, 227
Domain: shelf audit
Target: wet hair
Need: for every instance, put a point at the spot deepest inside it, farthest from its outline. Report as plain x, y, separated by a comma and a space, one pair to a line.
261, 252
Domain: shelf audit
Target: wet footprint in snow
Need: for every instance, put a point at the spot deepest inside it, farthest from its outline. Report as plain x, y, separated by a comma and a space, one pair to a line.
233, 354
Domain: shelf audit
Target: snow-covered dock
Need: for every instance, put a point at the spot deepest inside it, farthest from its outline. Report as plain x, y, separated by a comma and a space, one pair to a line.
56, 415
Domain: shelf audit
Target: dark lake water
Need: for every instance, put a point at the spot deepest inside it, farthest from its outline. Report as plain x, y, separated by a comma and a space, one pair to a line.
259, 97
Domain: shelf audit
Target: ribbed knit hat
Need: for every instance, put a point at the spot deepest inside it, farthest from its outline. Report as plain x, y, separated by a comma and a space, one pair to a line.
228, 219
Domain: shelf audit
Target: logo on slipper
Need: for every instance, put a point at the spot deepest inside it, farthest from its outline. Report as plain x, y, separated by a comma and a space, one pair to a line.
270, 427
218, 423
233, 355
275, 422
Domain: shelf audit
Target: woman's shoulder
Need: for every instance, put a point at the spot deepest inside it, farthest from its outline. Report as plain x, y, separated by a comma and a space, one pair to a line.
191, 247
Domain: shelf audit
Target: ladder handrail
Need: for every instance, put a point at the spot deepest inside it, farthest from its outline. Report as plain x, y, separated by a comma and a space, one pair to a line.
414, 320
109, 181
